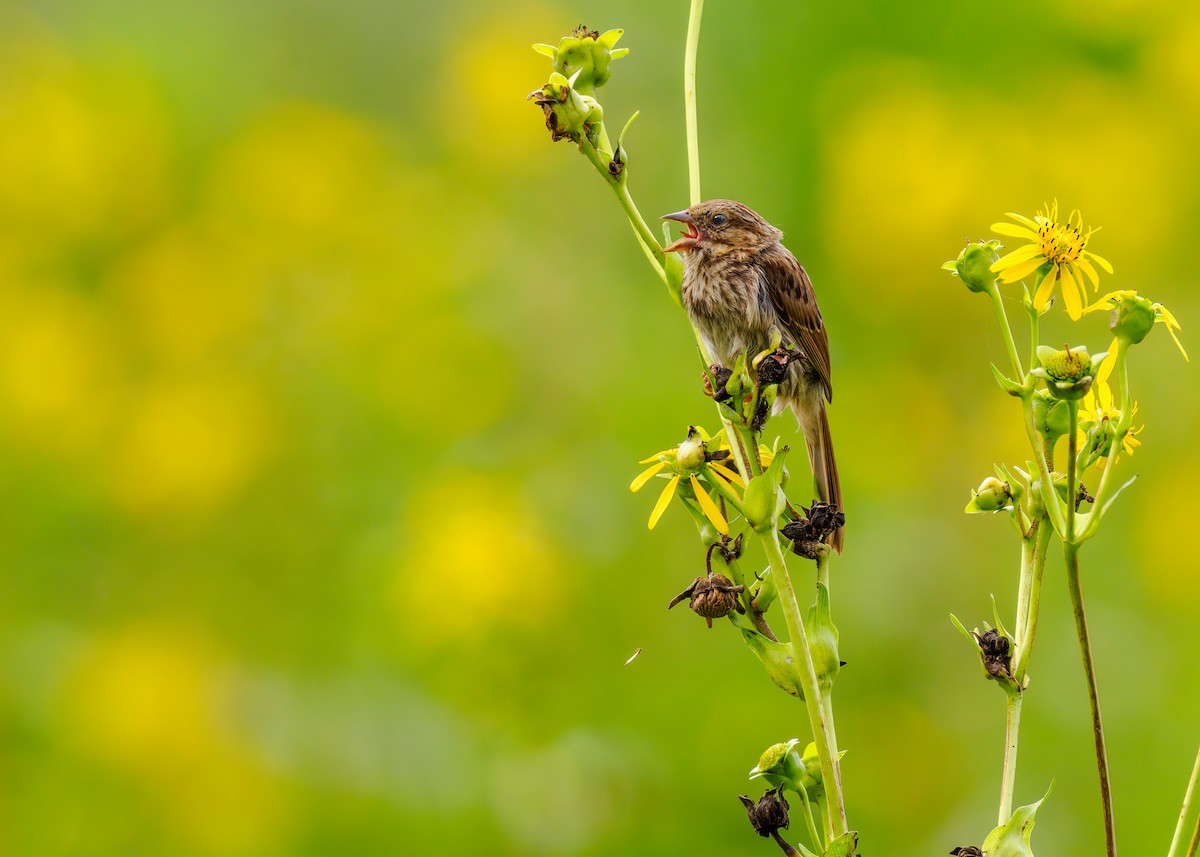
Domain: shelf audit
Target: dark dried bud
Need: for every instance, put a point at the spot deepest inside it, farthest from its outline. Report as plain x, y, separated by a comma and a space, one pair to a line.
772, 369
808, 535
716, 386
711, 597
967, 851
997, 658
770, 814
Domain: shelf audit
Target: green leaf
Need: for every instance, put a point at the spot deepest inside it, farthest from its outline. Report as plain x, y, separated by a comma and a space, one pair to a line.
846, 845
547, 50
777, 659
1103, 509
1012, 839
959, 625
1007, 384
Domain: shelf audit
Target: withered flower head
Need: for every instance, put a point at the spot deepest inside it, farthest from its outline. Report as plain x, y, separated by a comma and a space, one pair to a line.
711, 597
997, 658
808, 535
772, 369
967, 851
770, 814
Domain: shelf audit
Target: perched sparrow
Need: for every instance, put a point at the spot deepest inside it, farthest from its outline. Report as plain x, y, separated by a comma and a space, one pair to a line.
738, 283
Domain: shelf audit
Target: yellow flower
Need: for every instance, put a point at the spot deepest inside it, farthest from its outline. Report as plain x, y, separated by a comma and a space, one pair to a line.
1099, 408
1162, 315
1062, 246
689, 460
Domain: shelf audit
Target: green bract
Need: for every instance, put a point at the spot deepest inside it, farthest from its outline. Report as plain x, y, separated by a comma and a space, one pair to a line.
587, 54
1068, 373
974, 265
1132, 319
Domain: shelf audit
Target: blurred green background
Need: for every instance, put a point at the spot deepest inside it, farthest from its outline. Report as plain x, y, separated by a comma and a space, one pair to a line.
323, 376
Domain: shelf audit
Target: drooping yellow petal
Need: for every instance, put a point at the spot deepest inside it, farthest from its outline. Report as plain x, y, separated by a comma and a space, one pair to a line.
664, 500
1015, 231
729, 475
1045, 289
711, 511
1086, 267
645, 476
1099, 260
1021, 254
1020, 270
1072, 293
1107, 364
1105, 302
1178, 344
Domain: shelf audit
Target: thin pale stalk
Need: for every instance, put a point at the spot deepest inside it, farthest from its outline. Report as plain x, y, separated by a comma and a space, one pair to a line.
1194, 845
1006, 330
807, 675
823, 570
817, 841
689, 100
1008, 779
1177, 839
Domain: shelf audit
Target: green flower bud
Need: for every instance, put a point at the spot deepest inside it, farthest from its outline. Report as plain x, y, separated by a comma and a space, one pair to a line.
992, 495
823, 640
1050, 416
776, 659
586, 53
570, 115
974, 265
781, 765
692, 453
1132, 318
1068, 373
763, 501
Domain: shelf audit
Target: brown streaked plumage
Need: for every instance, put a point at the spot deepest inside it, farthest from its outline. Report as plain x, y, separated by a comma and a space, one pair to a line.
739, 281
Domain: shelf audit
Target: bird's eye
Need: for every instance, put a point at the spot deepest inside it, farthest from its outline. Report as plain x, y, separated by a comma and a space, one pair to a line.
719, 219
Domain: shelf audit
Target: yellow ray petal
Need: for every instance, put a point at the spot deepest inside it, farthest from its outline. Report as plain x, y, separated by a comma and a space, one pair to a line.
1019, 270
1021, 254
1045, 289
1015, 231
1072, 293
1021, 218
710, 508
1105, 302
1099, 260
1107, 364
1178, 344
1086, 267
656, 455
663, 500
645, 476
729, 475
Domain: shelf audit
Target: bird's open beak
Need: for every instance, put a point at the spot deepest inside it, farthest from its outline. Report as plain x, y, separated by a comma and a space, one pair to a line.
690, 240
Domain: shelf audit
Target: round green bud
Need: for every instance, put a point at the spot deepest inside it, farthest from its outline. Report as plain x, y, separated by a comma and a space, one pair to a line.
992, 495
1069, 366
690, 455
1132, 318
974, 265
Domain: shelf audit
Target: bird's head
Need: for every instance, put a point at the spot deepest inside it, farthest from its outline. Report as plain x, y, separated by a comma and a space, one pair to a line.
719, 225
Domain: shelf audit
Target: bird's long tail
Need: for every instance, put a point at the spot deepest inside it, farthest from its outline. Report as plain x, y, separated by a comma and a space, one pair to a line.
824, 468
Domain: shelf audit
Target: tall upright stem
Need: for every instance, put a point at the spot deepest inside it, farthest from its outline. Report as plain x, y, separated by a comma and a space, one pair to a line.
806, 672
1089, 671
1183, 811
689, 100
1008, 779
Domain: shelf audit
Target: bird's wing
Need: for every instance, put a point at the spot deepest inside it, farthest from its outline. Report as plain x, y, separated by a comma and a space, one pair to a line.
796, 303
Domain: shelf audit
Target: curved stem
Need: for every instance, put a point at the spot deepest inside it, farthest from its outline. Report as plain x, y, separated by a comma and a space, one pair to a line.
1008, 779
817, 841
1185, 809
689, 100
1009, 343
807, 674
1089, 670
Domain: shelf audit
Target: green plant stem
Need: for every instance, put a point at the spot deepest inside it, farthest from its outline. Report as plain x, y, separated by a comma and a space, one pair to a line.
689, 99
1089, 670
1050, 499
1028, 631
807, 674
1185, 809
1002, 317
823, 570
817, 841
1194, 845
1122, 428
1008, 779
